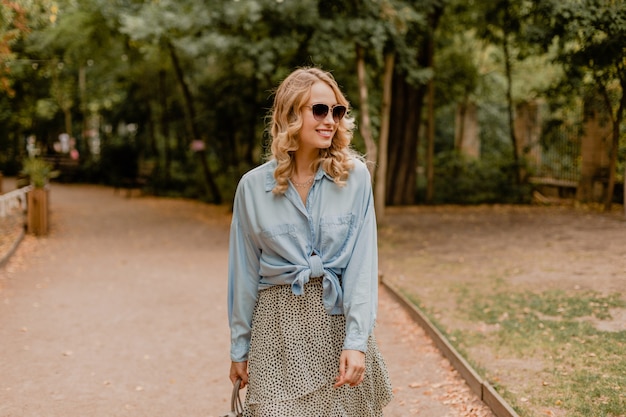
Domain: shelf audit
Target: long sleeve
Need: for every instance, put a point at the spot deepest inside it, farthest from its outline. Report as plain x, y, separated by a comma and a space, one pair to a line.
360, 280
243, 281
278, 240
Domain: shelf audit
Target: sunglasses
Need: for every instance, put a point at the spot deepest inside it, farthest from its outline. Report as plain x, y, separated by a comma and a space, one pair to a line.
320, 111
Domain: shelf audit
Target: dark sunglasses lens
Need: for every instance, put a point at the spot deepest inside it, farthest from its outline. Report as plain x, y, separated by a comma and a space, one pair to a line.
320, 111
338, 113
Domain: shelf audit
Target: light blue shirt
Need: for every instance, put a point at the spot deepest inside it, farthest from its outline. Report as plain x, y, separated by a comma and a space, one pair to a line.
278, 240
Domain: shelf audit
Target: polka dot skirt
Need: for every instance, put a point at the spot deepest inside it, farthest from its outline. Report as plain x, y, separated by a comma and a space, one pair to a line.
294, 359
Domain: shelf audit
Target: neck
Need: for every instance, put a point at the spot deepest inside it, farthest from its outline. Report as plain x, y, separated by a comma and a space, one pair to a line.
303, 164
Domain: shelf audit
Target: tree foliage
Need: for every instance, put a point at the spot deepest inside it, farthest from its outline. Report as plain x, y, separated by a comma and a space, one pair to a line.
187, 84
591, 40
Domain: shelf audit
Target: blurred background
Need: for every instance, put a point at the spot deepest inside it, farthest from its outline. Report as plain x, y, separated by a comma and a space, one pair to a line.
456, 101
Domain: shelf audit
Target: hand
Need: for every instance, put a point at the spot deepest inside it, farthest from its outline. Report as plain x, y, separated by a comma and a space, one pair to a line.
239, 370
351, 368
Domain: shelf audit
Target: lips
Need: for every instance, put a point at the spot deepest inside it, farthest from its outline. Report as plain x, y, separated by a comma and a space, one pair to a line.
325, 133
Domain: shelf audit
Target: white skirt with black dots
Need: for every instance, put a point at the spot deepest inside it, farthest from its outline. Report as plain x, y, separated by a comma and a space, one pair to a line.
294, 360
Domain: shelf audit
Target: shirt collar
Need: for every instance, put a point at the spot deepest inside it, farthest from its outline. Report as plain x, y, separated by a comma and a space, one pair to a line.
270, 181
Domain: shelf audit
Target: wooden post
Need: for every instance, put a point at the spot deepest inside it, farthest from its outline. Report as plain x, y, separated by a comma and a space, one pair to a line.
37, 218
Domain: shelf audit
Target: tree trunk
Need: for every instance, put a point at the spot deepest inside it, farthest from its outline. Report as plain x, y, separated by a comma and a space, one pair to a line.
165, 124
406, 109
616, 121
430, 153
67, 113
509, 98
82, 94
187, 98
383, 140
248, 156
610, 188
371, 149
192, 128
460, 128
406, 113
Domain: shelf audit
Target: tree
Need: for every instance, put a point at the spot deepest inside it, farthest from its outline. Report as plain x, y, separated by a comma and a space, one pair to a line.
381, 172
591, 39
168, 25
378, 30
13, 25
19, 18
504, 22
409, 88
190, 71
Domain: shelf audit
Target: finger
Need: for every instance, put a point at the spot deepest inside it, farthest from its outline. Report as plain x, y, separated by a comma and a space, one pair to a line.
352, 381
352, 375
239, 370
356, 378
232, 377
244, 379
359, 380
343, 364
341, 378
356, 371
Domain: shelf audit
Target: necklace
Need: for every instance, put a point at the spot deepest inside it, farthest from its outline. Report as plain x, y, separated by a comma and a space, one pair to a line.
303, 184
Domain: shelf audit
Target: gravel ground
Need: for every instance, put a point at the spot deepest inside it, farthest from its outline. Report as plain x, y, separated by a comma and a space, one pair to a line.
121, 311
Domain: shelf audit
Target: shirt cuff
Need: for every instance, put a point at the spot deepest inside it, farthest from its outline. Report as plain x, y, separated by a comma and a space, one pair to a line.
239, 353
356, 342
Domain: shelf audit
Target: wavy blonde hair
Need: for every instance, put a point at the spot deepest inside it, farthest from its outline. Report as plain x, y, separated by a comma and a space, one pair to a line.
286, 121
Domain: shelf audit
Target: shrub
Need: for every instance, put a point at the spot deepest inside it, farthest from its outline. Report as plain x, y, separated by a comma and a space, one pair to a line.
463, 180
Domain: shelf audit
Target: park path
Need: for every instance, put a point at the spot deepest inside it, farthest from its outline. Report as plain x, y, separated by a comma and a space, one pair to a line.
121, 311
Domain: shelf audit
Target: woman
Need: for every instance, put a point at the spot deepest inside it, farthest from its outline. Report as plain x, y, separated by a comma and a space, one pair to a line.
303, 266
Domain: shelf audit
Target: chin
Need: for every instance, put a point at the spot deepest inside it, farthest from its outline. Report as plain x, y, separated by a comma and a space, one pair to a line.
324, 144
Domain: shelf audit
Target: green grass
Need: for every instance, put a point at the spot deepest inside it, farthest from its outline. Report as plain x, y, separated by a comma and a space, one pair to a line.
584, 368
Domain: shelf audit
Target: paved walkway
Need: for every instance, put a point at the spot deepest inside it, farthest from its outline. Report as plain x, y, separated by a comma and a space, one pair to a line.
121, 311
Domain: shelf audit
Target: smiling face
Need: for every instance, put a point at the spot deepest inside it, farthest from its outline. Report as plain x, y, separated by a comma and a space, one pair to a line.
316, 134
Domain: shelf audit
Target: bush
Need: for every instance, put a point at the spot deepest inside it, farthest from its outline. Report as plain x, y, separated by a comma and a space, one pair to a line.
462, 180
38, 171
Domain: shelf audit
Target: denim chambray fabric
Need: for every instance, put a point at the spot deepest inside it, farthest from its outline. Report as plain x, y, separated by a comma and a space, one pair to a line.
278, 240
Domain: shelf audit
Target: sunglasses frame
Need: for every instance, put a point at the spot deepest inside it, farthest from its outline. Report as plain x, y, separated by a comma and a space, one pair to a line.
328, 109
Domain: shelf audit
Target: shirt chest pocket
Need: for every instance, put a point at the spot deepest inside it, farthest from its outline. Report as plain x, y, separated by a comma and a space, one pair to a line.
335, 233
283, 238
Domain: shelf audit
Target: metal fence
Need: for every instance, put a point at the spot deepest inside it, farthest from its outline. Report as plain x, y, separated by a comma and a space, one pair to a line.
560, 156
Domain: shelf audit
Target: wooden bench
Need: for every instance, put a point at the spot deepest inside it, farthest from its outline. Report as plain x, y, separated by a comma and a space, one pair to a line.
554, 187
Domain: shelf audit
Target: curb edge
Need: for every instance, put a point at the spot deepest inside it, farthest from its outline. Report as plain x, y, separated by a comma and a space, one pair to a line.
480, 387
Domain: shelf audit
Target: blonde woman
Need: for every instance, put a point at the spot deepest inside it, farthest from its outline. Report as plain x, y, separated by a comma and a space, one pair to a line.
303, 287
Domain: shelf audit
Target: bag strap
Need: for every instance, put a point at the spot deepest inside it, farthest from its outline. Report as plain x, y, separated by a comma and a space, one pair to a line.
235, 401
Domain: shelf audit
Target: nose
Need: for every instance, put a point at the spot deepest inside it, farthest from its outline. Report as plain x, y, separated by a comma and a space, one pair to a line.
329, 117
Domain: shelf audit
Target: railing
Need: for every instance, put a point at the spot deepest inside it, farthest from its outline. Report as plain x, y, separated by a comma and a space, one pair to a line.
12, 200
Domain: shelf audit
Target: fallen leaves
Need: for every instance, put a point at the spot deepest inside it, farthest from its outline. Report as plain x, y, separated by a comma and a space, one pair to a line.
444, 387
